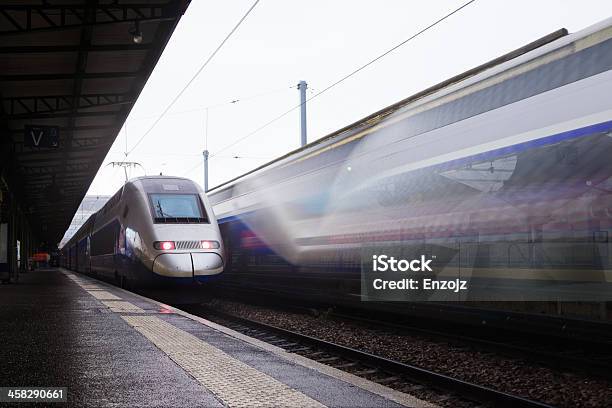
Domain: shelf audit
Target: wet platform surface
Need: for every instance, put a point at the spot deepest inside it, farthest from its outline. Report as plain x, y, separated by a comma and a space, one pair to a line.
113, 348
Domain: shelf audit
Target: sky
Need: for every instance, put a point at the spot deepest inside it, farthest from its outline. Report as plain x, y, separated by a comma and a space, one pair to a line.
284, 41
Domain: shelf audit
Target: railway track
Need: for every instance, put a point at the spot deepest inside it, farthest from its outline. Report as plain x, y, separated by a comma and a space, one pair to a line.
576, 353
591, 358
486, 318
397, 375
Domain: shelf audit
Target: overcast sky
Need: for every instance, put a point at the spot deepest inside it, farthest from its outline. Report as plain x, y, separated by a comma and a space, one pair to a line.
285, 41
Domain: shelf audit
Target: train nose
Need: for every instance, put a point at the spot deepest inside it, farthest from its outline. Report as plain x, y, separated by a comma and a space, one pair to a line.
173, 265
188, 265
207, 263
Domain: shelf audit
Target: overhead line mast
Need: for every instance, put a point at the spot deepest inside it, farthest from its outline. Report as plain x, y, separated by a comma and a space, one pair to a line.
302, 86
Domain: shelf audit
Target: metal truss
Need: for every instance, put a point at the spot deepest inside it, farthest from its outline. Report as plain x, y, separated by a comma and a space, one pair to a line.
40, 17
60, 103
63, 114
78, 75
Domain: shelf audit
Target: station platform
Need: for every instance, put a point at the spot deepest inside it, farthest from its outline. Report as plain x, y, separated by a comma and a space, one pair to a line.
111, 347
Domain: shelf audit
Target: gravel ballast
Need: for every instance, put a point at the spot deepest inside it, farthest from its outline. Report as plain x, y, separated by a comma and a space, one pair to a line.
509, 374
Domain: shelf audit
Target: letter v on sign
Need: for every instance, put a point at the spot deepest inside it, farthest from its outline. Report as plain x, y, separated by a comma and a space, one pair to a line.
36, 140
41, 136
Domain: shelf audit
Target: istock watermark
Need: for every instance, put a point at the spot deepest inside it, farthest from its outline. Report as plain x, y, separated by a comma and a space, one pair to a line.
407, 275
473, 271
382, 263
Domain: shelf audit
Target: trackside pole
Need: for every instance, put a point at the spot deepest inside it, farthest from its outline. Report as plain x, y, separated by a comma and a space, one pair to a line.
302, 86
205, 154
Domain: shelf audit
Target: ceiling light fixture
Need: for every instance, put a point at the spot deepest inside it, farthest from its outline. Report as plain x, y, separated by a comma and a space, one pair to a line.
136, 33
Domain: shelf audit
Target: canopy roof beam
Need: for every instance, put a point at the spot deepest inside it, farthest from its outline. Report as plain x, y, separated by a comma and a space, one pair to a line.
45, 17
59, 103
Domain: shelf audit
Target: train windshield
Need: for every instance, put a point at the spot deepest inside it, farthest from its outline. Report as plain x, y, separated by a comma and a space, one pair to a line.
177, 208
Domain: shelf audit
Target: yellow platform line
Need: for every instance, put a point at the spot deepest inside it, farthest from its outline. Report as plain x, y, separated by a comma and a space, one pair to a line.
232, 381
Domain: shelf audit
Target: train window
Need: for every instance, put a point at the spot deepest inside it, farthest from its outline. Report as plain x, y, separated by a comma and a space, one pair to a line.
177, 208
103, 241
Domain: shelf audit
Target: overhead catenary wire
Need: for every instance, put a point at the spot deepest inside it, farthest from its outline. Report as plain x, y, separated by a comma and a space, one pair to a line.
211, 106
199, 109
193, 78
345, 77
200, 164
228, 102
233, 102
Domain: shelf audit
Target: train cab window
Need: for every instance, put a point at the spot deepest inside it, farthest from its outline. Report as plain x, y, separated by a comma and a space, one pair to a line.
177, 208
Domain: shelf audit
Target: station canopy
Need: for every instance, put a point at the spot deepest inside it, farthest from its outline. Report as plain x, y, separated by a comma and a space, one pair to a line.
70, 72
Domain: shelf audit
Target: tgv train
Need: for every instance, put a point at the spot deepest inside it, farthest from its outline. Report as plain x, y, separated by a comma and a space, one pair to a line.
154, 232
504, 174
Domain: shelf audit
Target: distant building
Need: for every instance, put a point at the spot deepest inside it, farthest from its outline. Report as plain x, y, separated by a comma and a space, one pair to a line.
89, 205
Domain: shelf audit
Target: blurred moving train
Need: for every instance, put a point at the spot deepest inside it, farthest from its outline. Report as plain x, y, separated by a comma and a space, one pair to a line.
506, 170
154, 232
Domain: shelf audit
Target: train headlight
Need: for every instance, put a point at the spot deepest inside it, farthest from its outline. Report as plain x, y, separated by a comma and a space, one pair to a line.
209, 245
164, 245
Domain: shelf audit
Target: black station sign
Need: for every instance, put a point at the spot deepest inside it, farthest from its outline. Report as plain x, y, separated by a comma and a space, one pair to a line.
41, 136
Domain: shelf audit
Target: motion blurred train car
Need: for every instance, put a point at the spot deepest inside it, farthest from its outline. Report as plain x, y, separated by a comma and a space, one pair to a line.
505, 170
154, 232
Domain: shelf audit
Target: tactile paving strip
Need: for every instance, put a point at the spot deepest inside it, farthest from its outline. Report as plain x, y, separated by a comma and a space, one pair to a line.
103, 295
232, 381
90, 287
120, 306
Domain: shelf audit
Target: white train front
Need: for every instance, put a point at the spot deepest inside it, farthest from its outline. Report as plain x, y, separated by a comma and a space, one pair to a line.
154, 232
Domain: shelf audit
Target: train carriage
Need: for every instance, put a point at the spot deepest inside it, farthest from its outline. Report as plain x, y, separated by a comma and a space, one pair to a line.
505, 170
154, 232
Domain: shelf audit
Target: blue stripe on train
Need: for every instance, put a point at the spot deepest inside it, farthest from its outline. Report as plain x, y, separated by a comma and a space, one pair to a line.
530, 144
488, 155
